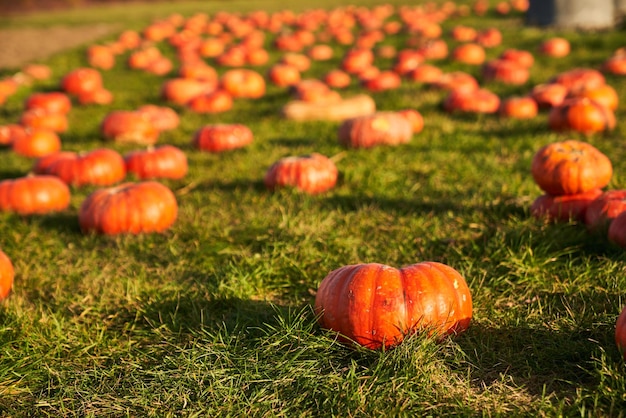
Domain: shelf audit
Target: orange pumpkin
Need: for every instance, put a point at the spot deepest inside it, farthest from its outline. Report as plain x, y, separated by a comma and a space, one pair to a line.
242, 82
415, 118
43, 119
601, 212
582, 115
456, 81
182, 90
81, 80
34, 194
376, 306
133, 208
570, 167
129, 126
337, 79
564, 207
99, 167
477, 101
51, 102
549, 94
604, 95
380, 128
283, 75
489, 38
505, 71
163, 118
312, 174
166, 161
355, 59
222, 137
7, 275
555, 47
384, 80
521, 57
8, 133
469, 53
425, 73
580, 78
99, 96
36, 143
518, 108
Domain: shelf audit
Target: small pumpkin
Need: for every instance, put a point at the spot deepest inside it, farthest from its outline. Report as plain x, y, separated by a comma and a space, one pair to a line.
337, 79
166, 161
43, 119
222, 137
555, 47
425, 73
505, 71
456, 80
36, 143
34, 195
244, 83
81, 80
130, 208
7, 275
564, 207
377, 306
99, 96
570, 167
99, 167
314, 173
489, 38
520, 57
379, 128
129, 126
8, 133
52, 102
581, 114
548, 95
163, 118
601, 212
217, 101
477, 101
579, 78
470, 53
283, 75
356, 59
182, 90
518, 108
384, 80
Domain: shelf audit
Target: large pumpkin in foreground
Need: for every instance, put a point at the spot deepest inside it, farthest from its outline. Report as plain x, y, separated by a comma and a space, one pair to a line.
570, 167
376, 306
129, 208
7, 274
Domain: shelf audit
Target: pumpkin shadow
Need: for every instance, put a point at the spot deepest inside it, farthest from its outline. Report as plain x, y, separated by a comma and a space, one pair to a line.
291, 142
62, 222
8, 174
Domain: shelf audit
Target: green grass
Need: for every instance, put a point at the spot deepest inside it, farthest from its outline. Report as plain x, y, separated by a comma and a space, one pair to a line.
214, 317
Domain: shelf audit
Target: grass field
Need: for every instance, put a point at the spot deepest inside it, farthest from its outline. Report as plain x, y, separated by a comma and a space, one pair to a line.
215, 318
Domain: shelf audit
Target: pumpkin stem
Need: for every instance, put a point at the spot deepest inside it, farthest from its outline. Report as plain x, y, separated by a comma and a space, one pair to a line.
338, 157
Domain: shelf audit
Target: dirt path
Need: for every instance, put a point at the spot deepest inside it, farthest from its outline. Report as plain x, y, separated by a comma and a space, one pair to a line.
21, 46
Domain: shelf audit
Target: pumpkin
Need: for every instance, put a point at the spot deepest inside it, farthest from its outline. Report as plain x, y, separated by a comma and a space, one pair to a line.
555, 47
314, 91
477, 101
8, 133
7, 275
320, 52
415, 118
300, 61
36, 143
166, 161
462, 33
222, 137
603, 94
564, 207
337, 79
425, 73
52, 102
376, 306
518, 108
489, 38
217, 101
620, 333
570, 167
433, 49
312, 174
129, 126
579, 78
617, 230
505, 71
182, 90
385, 80
615, 65
604, 209
198, 70
99, 167
407, 60
81, 80
456, 80
133, 208
101, 57
356, 59
549, 95
43, 119
37, 71
242, 82
99, 96
469, 53
379, 128
521, 57
34, 194
283, 75
581, 114
163, 118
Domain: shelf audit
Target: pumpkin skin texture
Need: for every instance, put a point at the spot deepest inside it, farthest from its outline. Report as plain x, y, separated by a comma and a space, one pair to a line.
34, 194
7, 274
222, 137
243, 83
581, 114
570, 167
620, 332
312, 174
375, 305
601, 212
166, 161
36, 143
100, 167
564, 207
380, 128
133, 208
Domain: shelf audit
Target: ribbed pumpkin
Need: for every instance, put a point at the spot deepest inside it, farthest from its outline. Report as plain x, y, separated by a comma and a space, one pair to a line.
313, 173
100, 167
477, 101
129, 208
380, 128
570, 167
564, 207
166, 161
222, 137
53, 102
606, 207
36, 143
518, 108
376, 305
581, 114
129, 126
33, 194
7, 275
